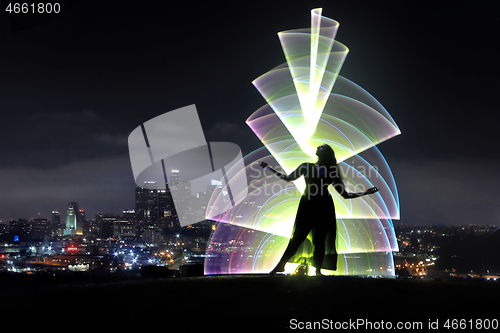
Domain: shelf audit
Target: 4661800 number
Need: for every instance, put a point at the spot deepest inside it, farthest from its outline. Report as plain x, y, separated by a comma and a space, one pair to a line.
40, 8
471, 324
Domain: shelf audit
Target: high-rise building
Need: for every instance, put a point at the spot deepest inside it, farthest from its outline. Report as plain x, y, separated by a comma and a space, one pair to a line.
71, 219
110, 226
153, 206
80, 216
175, 177
124, 230
129, 214
56, 218
83, 228
166, 208
40, 228
146, 202
82, 225
181, 191
183, 200
201, 201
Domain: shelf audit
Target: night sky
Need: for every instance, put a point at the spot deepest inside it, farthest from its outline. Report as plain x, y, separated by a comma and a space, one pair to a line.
73, 88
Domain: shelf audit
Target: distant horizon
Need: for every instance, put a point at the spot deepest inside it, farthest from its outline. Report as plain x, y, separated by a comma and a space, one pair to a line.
395, 225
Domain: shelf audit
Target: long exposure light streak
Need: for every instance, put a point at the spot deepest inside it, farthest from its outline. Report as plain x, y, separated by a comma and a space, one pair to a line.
310, 104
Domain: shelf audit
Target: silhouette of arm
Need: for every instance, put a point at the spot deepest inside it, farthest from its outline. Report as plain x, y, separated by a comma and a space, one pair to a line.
294, 175
340, 187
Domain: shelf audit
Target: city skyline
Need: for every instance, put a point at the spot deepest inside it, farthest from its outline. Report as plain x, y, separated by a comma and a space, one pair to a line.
126, 243
76, 214
75, 87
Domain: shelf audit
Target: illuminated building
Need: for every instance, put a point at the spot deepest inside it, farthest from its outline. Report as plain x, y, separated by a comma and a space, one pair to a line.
71, 219
106, 226
145, 200
124, 230
83, 228
82, 225
129, 213
201, 199
175, 177
181, 191
155, 206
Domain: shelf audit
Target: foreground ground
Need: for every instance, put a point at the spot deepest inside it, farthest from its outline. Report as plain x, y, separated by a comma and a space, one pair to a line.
241, 303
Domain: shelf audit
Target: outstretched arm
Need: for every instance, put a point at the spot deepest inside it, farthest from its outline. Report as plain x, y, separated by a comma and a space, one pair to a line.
294, 175
340, 187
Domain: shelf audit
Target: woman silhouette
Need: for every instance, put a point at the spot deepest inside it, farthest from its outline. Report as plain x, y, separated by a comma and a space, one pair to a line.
316, 211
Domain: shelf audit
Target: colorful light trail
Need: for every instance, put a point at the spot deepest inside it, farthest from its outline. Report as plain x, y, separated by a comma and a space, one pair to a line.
309, 104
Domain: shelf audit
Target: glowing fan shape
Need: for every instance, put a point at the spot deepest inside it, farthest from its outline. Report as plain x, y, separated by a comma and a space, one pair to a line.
309, 104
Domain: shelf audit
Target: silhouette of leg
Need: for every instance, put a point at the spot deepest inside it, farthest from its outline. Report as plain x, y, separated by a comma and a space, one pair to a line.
319, 238
300, 232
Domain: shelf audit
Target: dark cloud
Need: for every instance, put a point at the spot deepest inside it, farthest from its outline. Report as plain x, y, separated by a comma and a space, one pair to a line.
98, 185
447, 191
48, 140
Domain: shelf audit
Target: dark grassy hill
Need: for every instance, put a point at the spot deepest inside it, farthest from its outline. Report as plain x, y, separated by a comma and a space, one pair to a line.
238, 303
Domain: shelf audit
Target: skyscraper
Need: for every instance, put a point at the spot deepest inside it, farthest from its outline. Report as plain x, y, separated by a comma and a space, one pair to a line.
152, 205
80, 215
181, 192
146, 202
56, 218
71, 218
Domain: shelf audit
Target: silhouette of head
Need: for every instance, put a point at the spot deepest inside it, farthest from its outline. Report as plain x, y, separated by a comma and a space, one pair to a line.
326, 156
325, 152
